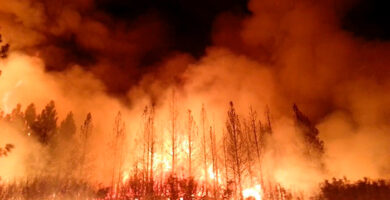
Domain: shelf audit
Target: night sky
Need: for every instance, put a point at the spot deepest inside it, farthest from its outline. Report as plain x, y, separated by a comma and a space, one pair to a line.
191, 21
369, 20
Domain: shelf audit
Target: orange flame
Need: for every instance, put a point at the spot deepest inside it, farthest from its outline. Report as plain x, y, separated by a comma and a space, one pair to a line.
254, 192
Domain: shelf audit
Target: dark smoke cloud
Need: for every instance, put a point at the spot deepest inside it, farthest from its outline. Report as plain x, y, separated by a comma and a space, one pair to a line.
121, 39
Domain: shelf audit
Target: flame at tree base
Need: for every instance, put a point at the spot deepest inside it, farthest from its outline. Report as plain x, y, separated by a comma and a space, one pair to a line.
254, 192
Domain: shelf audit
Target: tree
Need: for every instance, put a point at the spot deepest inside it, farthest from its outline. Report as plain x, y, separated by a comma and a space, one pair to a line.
4, 48
45, 126
214, 160
315, 147
149, 147
65, 147
68, 126
173, 118
85, 133
236, 153
16, 118
190, 127
344, 189
30, 114
117, 149
16, 113
204, 146
7, 148
257, 136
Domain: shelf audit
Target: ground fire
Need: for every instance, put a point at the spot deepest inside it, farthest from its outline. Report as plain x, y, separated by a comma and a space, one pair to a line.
235, 100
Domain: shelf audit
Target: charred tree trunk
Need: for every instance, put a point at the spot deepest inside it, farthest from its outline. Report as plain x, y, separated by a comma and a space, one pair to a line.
204, 147
173, 113
117, 150
189, 138
214, 161
85, 133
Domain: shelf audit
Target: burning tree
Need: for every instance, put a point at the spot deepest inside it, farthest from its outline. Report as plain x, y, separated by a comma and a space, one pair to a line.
204, 147
190, 130
117, 147
236, 153
149, 149
173, 119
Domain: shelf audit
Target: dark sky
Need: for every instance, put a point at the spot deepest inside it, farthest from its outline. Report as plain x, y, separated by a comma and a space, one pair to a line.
369, 19
191, 20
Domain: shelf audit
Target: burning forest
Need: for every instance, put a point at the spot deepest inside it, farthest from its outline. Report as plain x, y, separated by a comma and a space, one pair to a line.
235, 100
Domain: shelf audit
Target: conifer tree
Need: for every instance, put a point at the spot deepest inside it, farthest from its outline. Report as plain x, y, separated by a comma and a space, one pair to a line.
68, 126
315, 146
30, 114
45, 126
236, 153
85, 134
4, 48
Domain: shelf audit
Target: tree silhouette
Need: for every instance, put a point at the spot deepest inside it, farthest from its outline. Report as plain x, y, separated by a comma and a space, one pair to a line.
343, 189
85, 134
117, 148
236, 153
68, 126
315, 147
4, 48
7, 148
45, 126
30, 114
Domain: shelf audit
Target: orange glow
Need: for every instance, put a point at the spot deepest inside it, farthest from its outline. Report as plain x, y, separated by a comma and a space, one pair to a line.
254, 192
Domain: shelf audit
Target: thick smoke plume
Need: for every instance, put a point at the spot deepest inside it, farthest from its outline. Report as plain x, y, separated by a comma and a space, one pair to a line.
285, 52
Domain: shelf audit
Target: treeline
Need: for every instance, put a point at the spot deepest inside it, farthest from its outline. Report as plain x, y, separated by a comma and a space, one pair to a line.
365, 189
234, 160
66, 148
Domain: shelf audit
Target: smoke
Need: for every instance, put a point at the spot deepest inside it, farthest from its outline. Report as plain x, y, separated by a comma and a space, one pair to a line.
76, 32
27, 154
285, 52
339, 81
